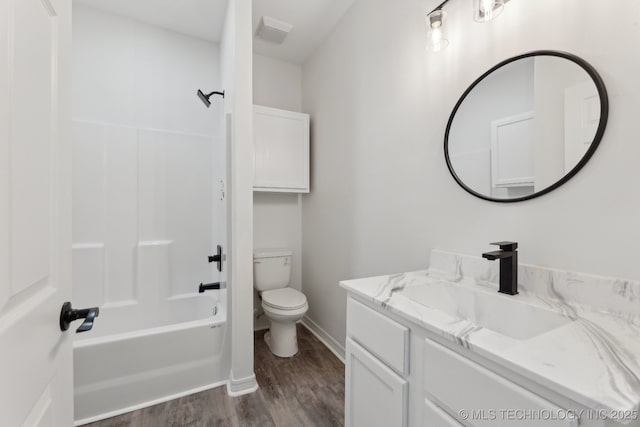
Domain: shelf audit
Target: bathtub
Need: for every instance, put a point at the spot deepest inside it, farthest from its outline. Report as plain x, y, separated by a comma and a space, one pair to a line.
174, 351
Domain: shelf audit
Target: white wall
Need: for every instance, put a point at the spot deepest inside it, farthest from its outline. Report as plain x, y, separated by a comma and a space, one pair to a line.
276, 83
277, 219
133, 74
383, 196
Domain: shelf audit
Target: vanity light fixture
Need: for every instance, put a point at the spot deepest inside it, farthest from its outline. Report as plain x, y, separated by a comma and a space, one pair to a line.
486, 10
437, 41
483, 11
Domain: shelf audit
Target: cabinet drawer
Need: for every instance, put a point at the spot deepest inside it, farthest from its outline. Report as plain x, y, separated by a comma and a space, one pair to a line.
491, 400
385, 338
433, 416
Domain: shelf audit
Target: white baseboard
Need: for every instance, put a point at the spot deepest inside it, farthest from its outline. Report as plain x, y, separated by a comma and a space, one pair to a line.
238, 387
147, 404
260, 327
334, 346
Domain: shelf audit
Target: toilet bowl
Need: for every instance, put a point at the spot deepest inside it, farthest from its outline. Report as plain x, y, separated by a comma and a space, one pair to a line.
282, 305
283, 308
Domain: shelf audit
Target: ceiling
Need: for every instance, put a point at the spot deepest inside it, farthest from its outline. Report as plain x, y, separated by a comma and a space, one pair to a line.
198, 18
312, 22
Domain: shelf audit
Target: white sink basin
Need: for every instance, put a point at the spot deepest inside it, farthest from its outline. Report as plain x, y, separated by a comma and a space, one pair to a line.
505, 314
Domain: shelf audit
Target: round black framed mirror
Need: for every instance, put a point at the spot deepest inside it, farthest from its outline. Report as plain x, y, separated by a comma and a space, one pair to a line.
526, 126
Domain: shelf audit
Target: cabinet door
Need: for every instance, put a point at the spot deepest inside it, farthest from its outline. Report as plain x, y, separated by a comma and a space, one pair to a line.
432, 416
281, 150
375, 395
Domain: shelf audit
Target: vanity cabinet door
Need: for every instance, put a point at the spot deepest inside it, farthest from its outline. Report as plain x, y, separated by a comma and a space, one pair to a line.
375, 395
432, 416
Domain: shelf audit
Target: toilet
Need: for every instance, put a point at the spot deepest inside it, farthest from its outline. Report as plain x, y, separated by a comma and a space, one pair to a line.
282, 305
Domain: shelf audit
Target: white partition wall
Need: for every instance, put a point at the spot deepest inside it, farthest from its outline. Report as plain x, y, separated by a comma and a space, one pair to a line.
236, 47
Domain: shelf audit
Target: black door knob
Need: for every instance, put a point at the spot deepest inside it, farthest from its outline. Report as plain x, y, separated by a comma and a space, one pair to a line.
68, 314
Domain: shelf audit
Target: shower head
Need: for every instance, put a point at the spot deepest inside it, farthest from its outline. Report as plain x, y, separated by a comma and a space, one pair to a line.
205, 98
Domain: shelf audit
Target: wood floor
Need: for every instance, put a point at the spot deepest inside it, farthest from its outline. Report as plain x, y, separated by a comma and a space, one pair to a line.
305, 390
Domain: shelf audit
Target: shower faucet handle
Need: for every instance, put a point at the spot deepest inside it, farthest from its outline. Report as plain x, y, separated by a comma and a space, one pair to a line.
217, 258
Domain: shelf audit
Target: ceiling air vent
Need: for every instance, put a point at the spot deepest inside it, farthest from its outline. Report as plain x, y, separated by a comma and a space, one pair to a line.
272, 30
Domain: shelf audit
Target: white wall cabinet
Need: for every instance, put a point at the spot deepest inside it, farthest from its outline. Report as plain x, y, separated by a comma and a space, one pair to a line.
512, 151
280, 150
425, 380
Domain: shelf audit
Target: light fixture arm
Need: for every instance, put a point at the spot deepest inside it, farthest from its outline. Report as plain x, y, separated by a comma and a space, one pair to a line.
441, 5
437, 38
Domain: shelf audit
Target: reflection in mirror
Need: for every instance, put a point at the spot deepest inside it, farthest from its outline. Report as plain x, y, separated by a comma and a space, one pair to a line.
523, 129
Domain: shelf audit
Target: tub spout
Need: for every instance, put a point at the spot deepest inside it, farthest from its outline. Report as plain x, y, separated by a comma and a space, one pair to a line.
210, 286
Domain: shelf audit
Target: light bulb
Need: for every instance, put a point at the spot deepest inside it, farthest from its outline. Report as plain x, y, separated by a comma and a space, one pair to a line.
486, 10
486, 6
437, 41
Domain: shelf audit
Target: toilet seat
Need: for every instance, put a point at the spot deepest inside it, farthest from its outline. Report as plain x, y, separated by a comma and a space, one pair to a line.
284, 299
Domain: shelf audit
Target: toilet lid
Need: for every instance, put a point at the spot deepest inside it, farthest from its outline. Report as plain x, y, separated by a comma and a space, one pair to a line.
284, 299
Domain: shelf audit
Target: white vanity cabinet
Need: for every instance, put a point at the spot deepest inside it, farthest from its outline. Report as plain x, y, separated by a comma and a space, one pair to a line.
280, 150
376, 391
401, 374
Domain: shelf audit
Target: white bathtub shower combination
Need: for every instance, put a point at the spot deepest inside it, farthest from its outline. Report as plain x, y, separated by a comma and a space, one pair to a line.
148, 209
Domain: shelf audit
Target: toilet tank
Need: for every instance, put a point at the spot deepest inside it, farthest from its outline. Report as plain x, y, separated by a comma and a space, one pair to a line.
271, 269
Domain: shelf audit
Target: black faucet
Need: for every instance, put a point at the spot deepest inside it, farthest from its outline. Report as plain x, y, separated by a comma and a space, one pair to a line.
508, 256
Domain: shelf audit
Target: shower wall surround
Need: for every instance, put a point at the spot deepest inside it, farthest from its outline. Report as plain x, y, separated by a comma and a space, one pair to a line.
141, 138
137, 238
383, 196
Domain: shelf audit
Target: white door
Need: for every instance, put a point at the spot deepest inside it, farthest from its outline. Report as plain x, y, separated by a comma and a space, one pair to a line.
581, 120
375, 395
35, 220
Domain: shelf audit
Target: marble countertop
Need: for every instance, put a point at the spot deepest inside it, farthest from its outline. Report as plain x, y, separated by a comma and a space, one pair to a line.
593, 359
